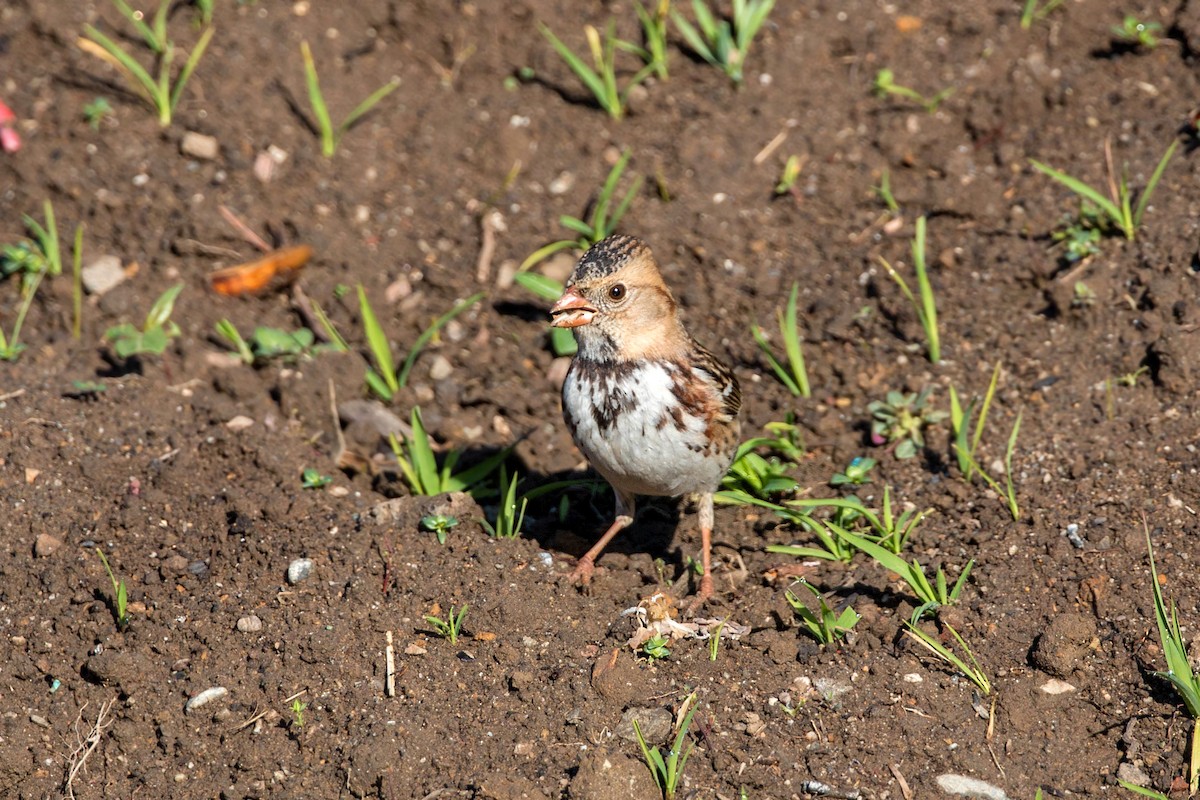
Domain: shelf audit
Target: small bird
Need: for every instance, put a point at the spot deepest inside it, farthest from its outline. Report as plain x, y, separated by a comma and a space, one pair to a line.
654, 412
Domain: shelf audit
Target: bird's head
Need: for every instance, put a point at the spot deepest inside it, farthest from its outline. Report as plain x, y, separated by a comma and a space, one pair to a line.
618, 304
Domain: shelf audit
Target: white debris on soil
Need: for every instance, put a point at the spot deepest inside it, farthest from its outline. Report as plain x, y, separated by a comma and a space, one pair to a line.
205, 697
299, 569
102, 275
656, 617
970, 787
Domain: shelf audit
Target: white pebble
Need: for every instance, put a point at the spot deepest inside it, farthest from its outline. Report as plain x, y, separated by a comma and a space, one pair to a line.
207, 696
299, 569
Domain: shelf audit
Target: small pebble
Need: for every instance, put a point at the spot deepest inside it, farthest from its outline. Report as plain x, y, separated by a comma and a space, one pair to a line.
197, 145
102, 275
970, 787
205, 697
299, 569
239, 423
250, 624
440, 369
45, 544
415, 649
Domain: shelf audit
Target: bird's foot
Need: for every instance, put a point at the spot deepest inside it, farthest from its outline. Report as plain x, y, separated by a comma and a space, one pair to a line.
703, 594
582, 574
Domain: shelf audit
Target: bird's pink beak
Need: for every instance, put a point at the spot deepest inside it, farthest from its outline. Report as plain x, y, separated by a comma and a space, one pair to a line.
571, 310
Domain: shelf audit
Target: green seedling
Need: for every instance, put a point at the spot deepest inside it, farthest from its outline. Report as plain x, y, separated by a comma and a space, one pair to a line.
795, 375
1082, 296
159, 92
885, 86
95, 112
932, 595
271, 343
155, 334
384, 380
858, 473
787, 179
1032, 12
204, 11
1009, 492
603, 222
1130, 379
601, 80
438, 524
1142, 790
450, 627
825, 625
902, 418
962, 422
656, 648
509, 518
752, 477
884, 192
926, 309
1137, 33
893, 531
1118, 209
562, 340
1080, 236
668, 769
972, 670
714, 641
42, 255
297, 708
331, 136
312, 479
724, 43
654, 38
10, 346
231, 334
417, 462
1179, 669
831, 547
87, 389
119, 596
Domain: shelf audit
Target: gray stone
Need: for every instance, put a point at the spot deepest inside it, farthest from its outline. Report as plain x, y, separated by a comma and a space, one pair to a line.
102, 275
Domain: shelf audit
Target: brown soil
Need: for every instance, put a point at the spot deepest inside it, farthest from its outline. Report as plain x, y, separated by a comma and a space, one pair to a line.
202, 519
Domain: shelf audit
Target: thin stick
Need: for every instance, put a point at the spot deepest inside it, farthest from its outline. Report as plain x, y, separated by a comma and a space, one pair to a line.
490, 223
770, 147
390, 653
244, 229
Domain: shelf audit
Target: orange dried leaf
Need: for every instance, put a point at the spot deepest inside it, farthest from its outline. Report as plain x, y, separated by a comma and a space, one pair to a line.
253, 276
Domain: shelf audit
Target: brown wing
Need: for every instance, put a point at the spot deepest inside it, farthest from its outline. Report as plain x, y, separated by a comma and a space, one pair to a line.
725, 382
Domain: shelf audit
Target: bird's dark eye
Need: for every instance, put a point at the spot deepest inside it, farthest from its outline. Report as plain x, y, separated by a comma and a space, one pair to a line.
617, 291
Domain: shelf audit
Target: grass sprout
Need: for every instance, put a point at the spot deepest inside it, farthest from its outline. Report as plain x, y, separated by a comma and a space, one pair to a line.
1032, 12
385, 380
156, 332
825, 625
714, 641
884, 192
120, 595
654, 37
562, 340
787, 179
1179, 670
1117, 207
966, 442
1137, 33
724, 43
10, 346
972, 670
1142, 790
795, 375
926, 308
162, 95
668, 769
331, 136
509, 518
418, 463
451, 627
601, 80
885, 86
603, 222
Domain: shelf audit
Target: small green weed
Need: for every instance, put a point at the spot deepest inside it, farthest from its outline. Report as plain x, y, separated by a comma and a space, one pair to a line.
10, 346
858, 472
95, 112
119, 596
438, 524
714, 641
656, 648
601, 80
1031, 12
297, 708
885, 86
158, 91
795, 375
654, 37
331, 136
724, 43
1137, 33
312, 479
1119, 211
902, 418
668, 769
1179, 669
926, 308
155, 334
884, 192
384, 380
1142, 790
789, 176
966, 443
1080, 236
604, 220
509, 518
825, 625
451, 627
972, 670
419, 465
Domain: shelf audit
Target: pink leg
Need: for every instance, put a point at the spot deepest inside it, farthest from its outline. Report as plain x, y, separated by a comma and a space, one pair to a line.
626, 508
706, 526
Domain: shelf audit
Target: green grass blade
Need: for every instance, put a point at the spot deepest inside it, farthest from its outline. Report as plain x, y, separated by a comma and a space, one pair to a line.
600, 213
544, 252
366, 105
189, 67
1082, 189
705, 19
378, 343
423, 461
776, 366
579, 226
791, 339
983, 410
1144, 200
141, 80
160, 312
1009, 485
928, 307
582, 71
540, 285
468, 478
317, 100
335, 338
430, 332
693, 38
615, 219
153, 40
